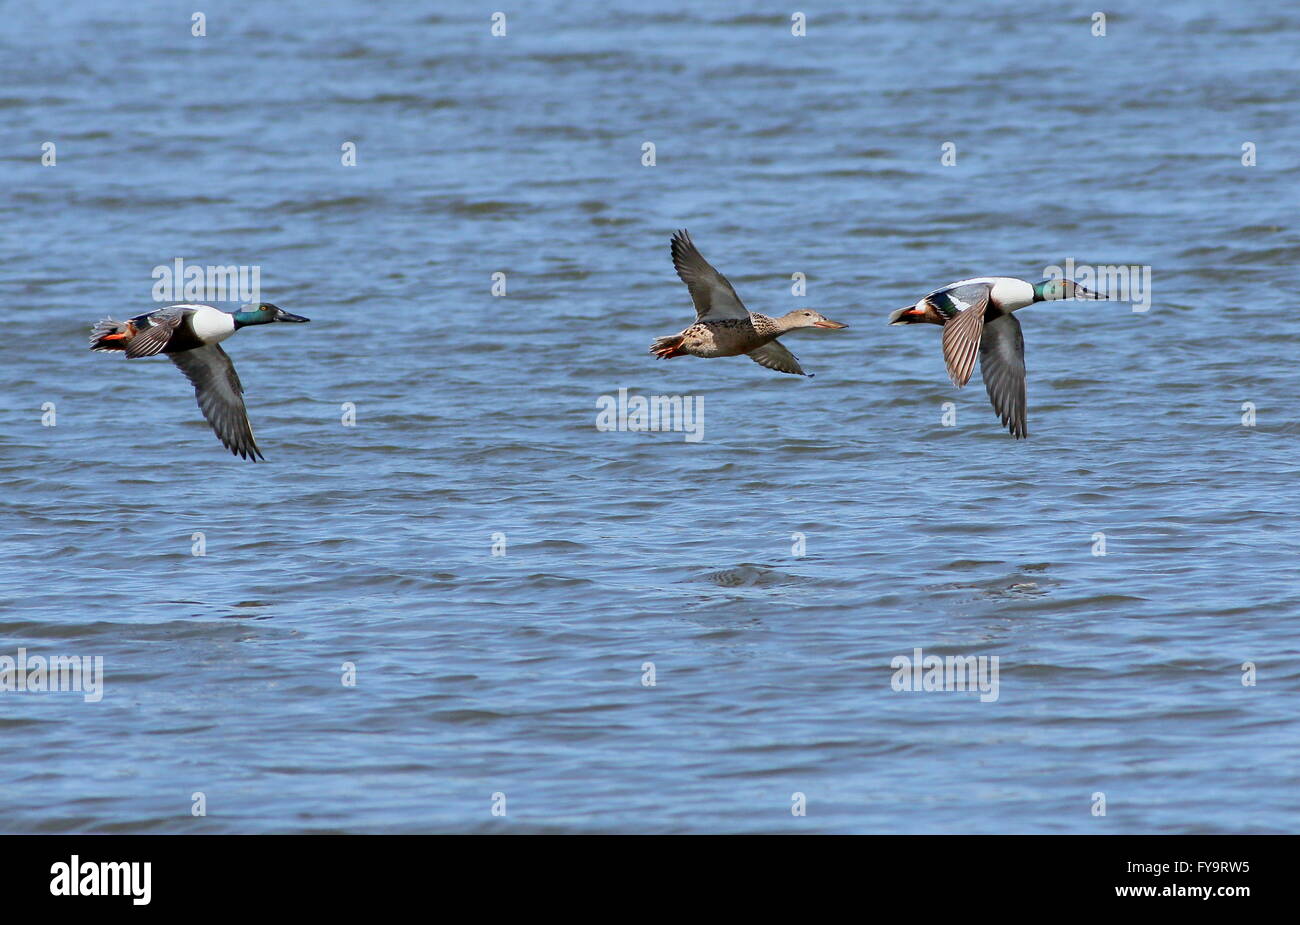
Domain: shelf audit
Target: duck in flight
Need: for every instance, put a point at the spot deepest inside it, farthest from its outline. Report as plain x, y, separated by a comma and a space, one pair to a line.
191, 336
723, 326
977, 318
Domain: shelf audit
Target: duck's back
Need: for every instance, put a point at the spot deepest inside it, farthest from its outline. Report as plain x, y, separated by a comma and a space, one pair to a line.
1006, 292
200, 325
729, 337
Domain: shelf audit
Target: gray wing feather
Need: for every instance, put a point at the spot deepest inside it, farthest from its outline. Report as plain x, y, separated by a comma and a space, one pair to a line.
775, 356
151, 341
961, 335
220, 396
713, 296
1002, 364
952, 299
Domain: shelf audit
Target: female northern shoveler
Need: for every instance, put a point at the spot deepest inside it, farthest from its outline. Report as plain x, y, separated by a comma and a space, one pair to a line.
976, 315
190, 335
723, 326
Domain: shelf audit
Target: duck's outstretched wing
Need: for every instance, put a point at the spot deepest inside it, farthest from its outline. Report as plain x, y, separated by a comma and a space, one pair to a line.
713, 296
962, 332
221, 397
151, 340
775, 356
1002, 364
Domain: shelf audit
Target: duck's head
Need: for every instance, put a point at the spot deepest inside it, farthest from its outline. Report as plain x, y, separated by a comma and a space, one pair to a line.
806, 318
1052, 289
265, 313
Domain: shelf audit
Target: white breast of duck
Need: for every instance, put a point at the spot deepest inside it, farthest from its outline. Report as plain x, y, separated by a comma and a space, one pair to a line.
1007, 292
210, 325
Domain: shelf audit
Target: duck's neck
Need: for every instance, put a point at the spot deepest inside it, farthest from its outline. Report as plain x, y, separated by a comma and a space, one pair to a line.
785, 323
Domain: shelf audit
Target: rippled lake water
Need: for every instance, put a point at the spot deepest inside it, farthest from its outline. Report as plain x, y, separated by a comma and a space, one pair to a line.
769, 572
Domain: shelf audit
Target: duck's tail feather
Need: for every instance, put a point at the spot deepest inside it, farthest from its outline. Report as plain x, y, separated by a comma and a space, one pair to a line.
666, 347
110, 335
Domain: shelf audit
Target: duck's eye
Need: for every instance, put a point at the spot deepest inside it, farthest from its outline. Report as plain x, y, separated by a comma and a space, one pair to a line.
807, 314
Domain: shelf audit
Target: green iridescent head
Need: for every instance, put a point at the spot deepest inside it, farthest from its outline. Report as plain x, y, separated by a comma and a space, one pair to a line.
1051, 289
264, 313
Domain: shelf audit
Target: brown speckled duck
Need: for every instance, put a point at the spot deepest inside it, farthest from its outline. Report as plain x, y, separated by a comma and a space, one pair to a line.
723, 326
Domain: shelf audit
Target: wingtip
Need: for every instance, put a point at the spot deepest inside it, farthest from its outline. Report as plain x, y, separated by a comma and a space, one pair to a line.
251, 454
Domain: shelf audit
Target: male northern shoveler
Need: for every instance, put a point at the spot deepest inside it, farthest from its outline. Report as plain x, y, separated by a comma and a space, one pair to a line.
976, 315
191, 335
723, 326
